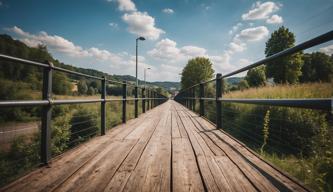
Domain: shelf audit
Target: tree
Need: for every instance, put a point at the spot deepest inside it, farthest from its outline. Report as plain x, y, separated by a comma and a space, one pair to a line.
286, 69
256, 77
317, 67
243, 84
82, 87
197, 70
91, 91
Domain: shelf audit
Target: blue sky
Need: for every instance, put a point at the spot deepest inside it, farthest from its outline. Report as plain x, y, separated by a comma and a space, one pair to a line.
101, 34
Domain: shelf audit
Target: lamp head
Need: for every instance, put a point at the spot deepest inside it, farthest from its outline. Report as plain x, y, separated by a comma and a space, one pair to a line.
141, 38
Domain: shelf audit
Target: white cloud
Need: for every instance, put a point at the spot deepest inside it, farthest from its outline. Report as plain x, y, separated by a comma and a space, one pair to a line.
62, 45
235, 28
261, 10
168, 51
237, 46
168, 11
193, 51
126, 5
114, 25
165, 49
142, 24
1, 3
327, 50
275, 19
253, 34
174, 58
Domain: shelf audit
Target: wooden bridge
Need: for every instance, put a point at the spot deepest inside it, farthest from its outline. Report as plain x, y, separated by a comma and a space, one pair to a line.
168, 148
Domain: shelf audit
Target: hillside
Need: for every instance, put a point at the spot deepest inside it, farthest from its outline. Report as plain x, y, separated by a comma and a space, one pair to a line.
9, 46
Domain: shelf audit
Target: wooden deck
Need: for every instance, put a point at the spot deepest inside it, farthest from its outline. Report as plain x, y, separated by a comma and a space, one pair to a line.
167, 149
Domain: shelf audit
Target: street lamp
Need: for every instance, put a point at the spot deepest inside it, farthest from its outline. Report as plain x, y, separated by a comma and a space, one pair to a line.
144, 75
136, 59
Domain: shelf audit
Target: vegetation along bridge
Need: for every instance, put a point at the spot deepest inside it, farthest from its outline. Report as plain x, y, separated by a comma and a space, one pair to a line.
169, 147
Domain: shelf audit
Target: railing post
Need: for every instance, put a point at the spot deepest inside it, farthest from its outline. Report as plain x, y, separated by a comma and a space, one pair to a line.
46, 115
143, 94
124, 101
218, 101
190, 99
136, 102
103, 107
194, 101
148, 100
202, 103
153, 100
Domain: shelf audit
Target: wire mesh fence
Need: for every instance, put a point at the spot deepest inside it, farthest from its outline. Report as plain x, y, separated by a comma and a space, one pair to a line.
55, 110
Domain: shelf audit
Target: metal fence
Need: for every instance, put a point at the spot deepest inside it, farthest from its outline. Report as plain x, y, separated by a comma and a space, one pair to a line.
147, 96
190, 95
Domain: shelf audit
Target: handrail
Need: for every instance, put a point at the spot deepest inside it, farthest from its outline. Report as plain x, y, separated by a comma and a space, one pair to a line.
153, 99
187, 95
300, 47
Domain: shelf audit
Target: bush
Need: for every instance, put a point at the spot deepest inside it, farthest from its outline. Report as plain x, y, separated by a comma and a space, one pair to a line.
83, 125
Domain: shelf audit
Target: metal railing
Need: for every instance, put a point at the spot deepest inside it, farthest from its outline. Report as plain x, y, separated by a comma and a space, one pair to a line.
149, 99
188, 96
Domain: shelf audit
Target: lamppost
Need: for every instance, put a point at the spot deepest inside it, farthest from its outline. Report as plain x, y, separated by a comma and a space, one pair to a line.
144, 75
136, 59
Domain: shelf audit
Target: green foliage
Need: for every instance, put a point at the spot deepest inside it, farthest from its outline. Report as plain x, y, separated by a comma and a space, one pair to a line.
23, 156
197, 70
83, 125
286, 69
26, 73
299, 141
82, 87
256, 77
265, 130
91, 91
243, 84
60, 129
10, 90
61, 85
317, 67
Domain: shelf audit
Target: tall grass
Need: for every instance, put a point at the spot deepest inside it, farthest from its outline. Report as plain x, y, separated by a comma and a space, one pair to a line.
298, 141
308, 90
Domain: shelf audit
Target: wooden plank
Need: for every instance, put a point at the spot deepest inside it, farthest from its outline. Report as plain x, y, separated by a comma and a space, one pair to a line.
185, 173
280, 180
201, 151
62, 167
82, 176
152, 172
174, 125
285, 183
118, 181
256, 178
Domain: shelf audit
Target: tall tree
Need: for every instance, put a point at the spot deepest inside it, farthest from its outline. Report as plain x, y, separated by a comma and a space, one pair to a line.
197, 70
317, 67
82, 87
286, 69
256, 77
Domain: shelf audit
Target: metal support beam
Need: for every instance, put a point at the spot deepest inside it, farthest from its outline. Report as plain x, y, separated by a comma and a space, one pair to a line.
124, 101
46, 115
202, 103
103, 107
136, 102
143, 100
218, 101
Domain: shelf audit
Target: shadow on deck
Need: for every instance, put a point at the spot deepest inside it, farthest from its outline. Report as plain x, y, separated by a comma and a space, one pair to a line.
167, 149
